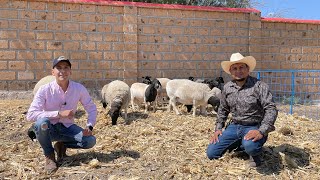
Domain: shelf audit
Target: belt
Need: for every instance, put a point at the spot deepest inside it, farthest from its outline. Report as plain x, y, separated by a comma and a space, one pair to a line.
246, 123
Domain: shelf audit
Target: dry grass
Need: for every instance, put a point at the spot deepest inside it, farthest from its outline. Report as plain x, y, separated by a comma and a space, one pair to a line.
159, 145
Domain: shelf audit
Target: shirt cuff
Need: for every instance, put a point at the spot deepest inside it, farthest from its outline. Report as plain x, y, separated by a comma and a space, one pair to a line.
89, 124
262, 132
219, 126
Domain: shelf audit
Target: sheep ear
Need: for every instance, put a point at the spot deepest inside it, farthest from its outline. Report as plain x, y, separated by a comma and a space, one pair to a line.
104, 104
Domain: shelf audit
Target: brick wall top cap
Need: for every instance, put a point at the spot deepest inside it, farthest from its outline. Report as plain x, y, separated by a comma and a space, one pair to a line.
165, 6
287, 20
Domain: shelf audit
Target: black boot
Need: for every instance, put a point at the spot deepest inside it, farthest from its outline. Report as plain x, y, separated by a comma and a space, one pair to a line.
255, 161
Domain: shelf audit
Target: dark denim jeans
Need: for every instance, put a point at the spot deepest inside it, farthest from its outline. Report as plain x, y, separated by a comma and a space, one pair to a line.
71, 137
232, 138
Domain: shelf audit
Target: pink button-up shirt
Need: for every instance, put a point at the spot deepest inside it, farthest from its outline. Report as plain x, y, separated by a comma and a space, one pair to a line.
50, 99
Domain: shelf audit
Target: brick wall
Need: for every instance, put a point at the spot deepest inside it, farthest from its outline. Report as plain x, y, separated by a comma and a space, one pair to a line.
290, 44
122, 40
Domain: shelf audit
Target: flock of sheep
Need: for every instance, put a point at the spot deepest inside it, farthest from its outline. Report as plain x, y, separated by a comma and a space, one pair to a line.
150, 92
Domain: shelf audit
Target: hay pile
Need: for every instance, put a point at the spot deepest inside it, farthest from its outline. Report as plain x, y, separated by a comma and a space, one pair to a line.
160, 145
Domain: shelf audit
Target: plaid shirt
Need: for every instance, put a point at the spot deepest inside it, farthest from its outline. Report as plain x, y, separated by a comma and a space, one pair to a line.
250, 104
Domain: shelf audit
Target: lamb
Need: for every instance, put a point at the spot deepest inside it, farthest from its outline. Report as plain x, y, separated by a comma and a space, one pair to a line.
143, 93
43, 81
189, 92
162, 93
117, 95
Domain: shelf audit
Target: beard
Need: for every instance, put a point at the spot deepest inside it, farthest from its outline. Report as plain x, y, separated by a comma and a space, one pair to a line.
241, 79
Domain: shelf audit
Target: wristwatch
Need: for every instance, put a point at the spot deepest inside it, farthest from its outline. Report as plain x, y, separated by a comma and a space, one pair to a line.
91, 128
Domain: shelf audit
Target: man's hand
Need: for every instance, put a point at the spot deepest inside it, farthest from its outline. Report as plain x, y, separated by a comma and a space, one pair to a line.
87, 132
214, 139
66, 114
255, 135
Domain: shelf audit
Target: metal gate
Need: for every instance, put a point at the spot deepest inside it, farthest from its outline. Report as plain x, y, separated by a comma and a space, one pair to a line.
294, 91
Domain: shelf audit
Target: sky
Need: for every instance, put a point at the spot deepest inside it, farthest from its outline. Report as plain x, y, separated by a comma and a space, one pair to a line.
296, 9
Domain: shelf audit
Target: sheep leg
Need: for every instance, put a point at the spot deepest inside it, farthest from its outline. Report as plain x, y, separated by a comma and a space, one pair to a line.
161, 98
203, 110
169, 106
132, 105
125, 113
173, 102
194, 108
154, 106
146, 107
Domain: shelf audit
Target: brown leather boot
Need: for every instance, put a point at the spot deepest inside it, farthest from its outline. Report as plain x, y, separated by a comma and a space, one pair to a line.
51, 165
60, 150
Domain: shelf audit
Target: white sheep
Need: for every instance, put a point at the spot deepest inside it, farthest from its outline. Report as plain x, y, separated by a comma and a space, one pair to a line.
116, 94
162, 93
43, 81
189, 92
144, 93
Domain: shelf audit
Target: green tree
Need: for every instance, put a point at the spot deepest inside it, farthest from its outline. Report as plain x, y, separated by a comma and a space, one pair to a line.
216, 3
223, 3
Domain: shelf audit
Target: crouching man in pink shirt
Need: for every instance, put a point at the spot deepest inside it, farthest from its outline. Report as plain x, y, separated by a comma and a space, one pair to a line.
53, 109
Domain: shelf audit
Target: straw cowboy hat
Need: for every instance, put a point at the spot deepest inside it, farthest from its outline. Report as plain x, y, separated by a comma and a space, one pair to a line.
238, 58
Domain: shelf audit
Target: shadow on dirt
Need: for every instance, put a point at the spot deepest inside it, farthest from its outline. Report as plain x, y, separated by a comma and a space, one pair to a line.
85, 158
284, 156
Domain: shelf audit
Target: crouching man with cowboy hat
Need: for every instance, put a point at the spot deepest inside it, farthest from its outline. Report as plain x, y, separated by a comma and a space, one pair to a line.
253, 111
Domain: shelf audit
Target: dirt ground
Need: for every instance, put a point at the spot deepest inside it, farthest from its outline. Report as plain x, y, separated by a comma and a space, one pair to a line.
157, 145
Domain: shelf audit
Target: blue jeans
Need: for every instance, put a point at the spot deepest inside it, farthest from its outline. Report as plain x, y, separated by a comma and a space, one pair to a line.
233, 137
71, 137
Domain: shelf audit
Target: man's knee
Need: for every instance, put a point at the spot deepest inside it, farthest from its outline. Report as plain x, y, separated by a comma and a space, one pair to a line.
42, 124
252, 148
212, 152
89, 142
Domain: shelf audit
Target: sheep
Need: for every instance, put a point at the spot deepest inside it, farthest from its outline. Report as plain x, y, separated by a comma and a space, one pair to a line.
146, 79
141, 92
217, 82
43, 81
162, 94
189, 92
191, 78
117, 95
162, 91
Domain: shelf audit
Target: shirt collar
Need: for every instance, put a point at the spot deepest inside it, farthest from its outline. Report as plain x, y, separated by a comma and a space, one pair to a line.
56, 85
249, 83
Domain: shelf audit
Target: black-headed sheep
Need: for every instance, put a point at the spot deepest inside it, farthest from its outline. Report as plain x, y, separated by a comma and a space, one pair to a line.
144, 93
217, 82
189, 92
162, 93
117, 95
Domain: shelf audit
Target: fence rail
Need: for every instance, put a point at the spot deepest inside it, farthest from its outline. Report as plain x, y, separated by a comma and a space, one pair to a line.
294, 91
